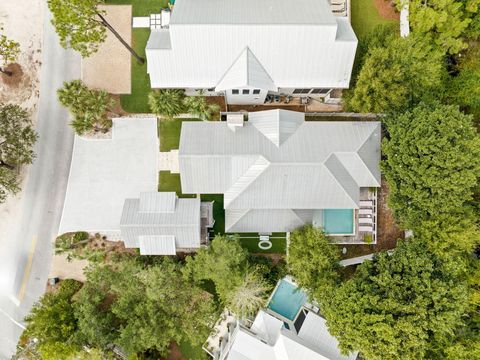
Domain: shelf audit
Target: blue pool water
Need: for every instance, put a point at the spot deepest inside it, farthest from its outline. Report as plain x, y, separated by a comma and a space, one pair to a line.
287, 300
338, 221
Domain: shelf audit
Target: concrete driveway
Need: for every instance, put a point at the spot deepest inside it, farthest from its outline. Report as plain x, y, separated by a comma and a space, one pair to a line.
27, 251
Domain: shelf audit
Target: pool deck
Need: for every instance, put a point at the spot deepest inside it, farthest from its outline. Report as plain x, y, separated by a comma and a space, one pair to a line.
358, 238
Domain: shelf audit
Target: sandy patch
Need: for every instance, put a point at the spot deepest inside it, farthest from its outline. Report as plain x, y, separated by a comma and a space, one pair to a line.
65, 269
22, 21
387, 9
109, 68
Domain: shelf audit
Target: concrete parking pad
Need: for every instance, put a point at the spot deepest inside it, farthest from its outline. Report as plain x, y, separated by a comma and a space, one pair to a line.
110, 67
105, 172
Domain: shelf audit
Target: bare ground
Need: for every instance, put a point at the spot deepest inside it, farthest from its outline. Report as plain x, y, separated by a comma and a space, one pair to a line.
387, 9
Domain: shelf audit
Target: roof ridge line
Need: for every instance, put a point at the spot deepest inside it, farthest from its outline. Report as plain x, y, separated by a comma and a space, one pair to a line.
335, 178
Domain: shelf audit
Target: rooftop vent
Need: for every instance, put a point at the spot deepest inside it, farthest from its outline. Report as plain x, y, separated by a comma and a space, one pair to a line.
235, 120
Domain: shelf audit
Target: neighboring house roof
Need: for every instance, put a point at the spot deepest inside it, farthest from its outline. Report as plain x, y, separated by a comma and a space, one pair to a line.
246, 71
160, 217
104, 172
276, 163
270, 43
270, 340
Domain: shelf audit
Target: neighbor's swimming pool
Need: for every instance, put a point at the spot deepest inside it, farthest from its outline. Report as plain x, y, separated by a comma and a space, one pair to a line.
338, 221
287, 300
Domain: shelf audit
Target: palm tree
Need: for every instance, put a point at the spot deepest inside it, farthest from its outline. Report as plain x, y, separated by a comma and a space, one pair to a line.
167, 103
88, 107
198, 106
248, 297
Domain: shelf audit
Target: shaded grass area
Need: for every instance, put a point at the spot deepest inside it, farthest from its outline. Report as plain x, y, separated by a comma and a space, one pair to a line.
191, 352
365, 17
171, 182
169, 133
218, 213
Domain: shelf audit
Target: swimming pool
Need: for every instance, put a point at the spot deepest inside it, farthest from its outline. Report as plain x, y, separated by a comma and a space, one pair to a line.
338, 221
287, 300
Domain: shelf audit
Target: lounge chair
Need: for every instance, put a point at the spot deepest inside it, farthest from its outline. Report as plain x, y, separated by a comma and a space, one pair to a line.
365, 212
365, 220
365, 228
366, 203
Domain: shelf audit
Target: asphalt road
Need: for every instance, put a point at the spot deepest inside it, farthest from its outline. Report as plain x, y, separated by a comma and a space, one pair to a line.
28, 258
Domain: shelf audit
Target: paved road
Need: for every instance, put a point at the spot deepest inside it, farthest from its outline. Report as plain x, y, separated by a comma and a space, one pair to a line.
29, 252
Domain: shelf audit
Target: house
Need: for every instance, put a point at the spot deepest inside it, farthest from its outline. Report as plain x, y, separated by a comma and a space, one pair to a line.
271, 335
112, 190
278, 172
247, 49
159, 223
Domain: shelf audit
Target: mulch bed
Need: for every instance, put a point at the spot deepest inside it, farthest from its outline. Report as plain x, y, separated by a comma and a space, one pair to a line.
219, 100
386, 9
16, 77
252, 108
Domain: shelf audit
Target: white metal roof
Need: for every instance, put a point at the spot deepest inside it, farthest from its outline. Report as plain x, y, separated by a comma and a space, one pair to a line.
246, 71
105, 172
298, 44
163, 202
157, 245
277, 167
269, 340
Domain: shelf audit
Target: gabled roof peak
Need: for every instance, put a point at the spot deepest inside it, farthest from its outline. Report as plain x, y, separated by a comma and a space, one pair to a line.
246, 71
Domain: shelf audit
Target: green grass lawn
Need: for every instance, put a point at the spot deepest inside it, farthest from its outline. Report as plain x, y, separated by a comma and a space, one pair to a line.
141, 7
365, 17
169, 133
279, 244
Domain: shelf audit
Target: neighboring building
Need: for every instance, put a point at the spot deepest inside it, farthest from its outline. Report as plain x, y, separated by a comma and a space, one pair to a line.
278, 172
297, 333
246, 49
159, 223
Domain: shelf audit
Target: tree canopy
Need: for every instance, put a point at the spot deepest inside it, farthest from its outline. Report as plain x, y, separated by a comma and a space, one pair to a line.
224, 262
142, 308
52, 322
17, 137
398, 75
432, 163
312, 260
88, 107
249, 296
78, 25
401, 306
445, 22
9, 50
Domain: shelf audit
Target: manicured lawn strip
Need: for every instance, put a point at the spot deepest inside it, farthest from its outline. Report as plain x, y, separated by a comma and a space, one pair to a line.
169, 133
279, 245
141, 7
137, 101
171, 182
218, 212
365, 17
